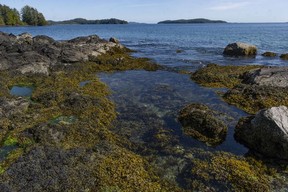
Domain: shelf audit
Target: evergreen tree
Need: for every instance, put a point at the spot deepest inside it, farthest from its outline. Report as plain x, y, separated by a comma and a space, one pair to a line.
31, 16
9, 16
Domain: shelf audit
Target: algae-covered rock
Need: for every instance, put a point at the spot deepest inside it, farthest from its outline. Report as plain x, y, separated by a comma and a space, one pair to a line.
284, 56
269, 54
221, 76
226, 172
240, 49
252, 98
267, 132
100, 168
201, 123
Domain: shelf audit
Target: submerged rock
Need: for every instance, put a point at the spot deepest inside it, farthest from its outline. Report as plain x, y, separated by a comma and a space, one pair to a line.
201, 123
284, 56
269, 54
240, 49
267, 132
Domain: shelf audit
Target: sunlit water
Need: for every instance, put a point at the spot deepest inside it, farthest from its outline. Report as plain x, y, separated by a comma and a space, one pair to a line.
149, 99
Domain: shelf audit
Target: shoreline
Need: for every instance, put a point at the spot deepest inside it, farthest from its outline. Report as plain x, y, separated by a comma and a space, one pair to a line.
67, 127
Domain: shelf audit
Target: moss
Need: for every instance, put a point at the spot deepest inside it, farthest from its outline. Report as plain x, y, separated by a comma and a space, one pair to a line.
226, 172
221, 76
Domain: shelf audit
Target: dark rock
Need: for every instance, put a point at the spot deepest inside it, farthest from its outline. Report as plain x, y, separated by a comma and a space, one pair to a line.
240, 49
113, 40
39, 54
72, 56
200, 122
10, 107
284, 56
43, 39
92, 39
267, 132
269, 54
271, 76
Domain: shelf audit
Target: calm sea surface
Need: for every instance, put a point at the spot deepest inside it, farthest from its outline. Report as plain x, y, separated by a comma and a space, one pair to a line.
147, 99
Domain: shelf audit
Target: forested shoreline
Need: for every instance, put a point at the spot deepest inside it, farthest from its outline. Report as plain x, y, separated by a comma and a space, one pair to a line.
27, 16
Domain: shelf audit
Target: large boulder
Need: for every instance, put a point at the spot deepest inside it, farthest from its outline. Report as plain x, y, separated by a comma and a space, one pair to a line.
240, 49
201, 123
269, 76
266, 133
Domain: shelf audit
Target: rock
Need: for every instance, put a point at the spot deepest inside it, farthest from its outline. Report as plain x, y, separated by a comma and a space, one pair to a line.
43, 39
269, 76
201, 123
266, 133
284, 56
72, 56
114, 40
11, 107
269, 54
240, 49
38, 54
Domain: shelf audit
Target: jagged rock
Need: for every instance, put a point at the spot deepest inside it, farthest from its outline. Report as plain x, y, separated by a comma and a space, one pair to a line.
201, 123
38, 54
269, 76
240, 49
267, 132
269, 54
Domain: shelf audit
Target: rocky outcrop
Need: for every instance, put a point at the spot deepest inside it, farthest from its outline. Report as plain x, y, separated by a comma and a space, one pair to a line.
28, 54
284, 56
267, 132
269, 76
240, 49
201, 123
269, 54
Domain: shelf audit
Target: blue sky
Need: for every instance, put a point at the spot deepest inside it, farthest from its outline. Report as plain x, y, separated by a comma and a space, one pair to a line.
152, 11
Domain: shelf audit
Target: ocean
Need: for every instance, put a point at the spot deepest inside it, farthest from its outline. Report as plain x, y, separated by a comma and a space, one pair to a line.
149, 100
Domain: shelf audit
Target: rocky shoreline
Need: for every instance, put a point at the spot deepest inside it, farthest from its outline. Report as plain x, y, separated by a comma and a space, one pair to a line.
62, 137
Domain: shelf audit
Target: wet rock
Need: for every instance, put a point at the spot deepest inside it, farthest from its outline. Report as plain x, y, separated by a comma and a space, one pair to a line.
113, 40
266, 132
240, 49
271, 76
201, 123
38, 54
284, 56
269, 54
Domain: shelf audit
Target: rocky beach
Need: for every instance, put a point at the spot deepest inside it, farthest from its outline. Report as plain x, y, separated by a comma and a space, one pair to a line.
60, 129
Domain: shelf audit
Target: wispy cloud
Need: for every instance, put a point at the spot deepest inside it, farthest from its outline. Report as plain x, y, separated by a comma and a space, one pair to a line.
229, 6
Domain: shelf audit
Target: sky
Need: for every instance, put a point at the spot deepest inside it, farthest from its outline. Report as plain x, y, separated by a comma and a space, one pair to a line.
153, 11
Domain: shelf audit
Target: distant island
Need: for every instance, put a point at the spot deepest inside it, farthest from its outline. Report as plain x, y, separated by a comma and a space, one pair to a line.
85, 21
191, 21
